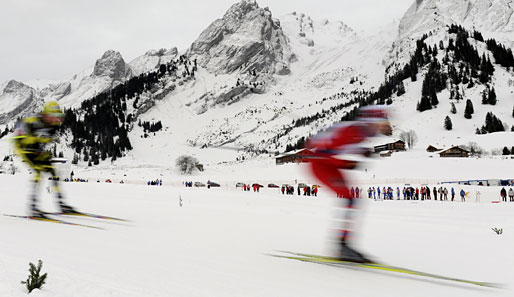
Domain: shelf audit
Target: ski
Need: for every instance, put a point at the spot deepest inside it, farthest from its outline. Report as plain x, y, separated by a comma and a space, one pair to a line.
330, 261
85, 214
52, 220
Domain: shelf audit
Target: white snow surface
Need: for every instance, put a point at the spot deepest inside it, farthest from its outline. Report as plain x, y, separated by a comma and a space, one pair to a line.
151, 60
484, 15
216, 243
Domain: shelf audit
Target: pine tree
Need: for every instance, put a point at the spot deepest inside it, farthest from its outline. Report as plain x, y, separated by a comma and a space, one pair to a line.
433, 98
424, 104
75, 159
414, 71
468, 111
492, 124
401, 89
485, 97
492, 96
506, 151
453, 109
448, 123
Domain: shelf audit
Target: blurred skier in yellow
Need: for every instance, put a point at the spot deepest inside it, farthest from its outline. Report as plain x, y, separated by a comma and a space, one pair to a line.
31, 135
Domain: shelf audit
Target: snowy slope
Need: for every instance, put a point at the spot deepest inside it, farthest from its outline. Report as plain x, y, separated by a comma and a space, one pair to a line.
151, 60
487, 16
407, 118
493, 18
319, 79
216, 243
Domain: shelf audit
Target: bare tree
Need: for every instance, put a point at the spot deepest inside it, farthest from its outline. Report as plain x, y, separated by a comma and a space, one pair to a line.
474, 149
410, 138
186, 164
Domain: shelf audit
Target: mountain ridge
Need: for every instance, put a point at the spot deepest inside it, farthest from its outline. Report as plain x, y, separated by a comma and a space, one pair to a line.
257, 110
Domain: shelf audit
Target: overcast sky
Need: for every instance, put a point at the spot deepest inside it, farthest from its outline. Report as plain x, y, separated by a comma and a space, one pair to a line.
55, 39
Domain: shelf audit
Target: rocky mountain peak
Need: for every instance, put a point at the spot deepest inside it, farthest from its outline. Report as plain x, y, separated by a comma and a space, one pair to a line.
247, 38
14, 86
111, 64
241, 9
17, 99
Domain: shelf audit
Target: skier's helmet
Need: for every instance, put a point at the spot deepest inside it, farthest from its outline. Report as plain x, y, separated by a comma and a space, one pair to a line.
52, 108
52, 114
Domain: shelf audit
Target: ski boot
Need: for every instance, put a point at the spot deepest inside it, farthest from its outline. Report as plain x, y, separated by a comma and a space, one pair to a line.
348, 254
36, 213
66, 209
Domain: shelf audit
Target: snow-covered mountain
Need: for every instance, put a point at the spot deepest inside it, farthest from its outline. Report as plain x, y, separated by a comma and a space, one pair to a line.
151, 60
333, 66
261, 83
247, 38
493, 18
108, 71
16, 99
483, 15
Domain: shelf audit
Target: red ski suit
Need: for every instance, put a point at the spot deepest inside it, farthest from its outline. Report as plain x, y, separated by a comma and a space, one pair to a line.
340, 139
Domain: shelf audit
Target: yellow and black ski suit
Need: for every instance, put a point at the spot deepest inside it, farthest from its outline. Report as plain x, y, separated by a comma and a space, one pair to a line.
31, 135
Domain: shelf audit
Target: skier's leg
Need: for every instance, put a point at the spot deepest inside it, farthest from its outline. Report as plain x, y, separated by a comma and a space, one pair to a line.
327, 171
30, 159
55, 186
346, 251
35, 192
48, 167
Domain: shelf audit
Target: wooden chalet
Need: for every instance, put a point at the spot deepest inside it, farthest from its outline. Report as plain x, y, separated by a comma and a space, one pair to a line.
455, 152
432, 149
394, 146
293, 157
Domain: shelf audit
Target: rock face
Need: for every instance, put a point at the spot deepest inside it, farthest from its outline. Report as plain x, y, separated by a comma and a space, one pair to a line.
15, 87
16, 99
62, 90
111, 64
247, 38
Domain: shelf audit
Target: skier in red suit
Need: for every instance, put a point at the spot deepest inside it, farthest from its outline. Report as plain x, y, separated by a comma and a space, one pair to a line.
344, 139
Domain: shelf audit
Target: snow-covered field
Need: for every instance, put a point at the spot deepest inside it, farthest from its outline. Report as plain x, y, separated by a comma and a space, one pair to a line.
215, 244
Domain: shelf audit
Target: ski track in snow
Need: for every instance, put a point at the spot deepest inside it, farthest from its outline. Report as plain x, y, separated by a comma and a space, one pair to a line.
216, 243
